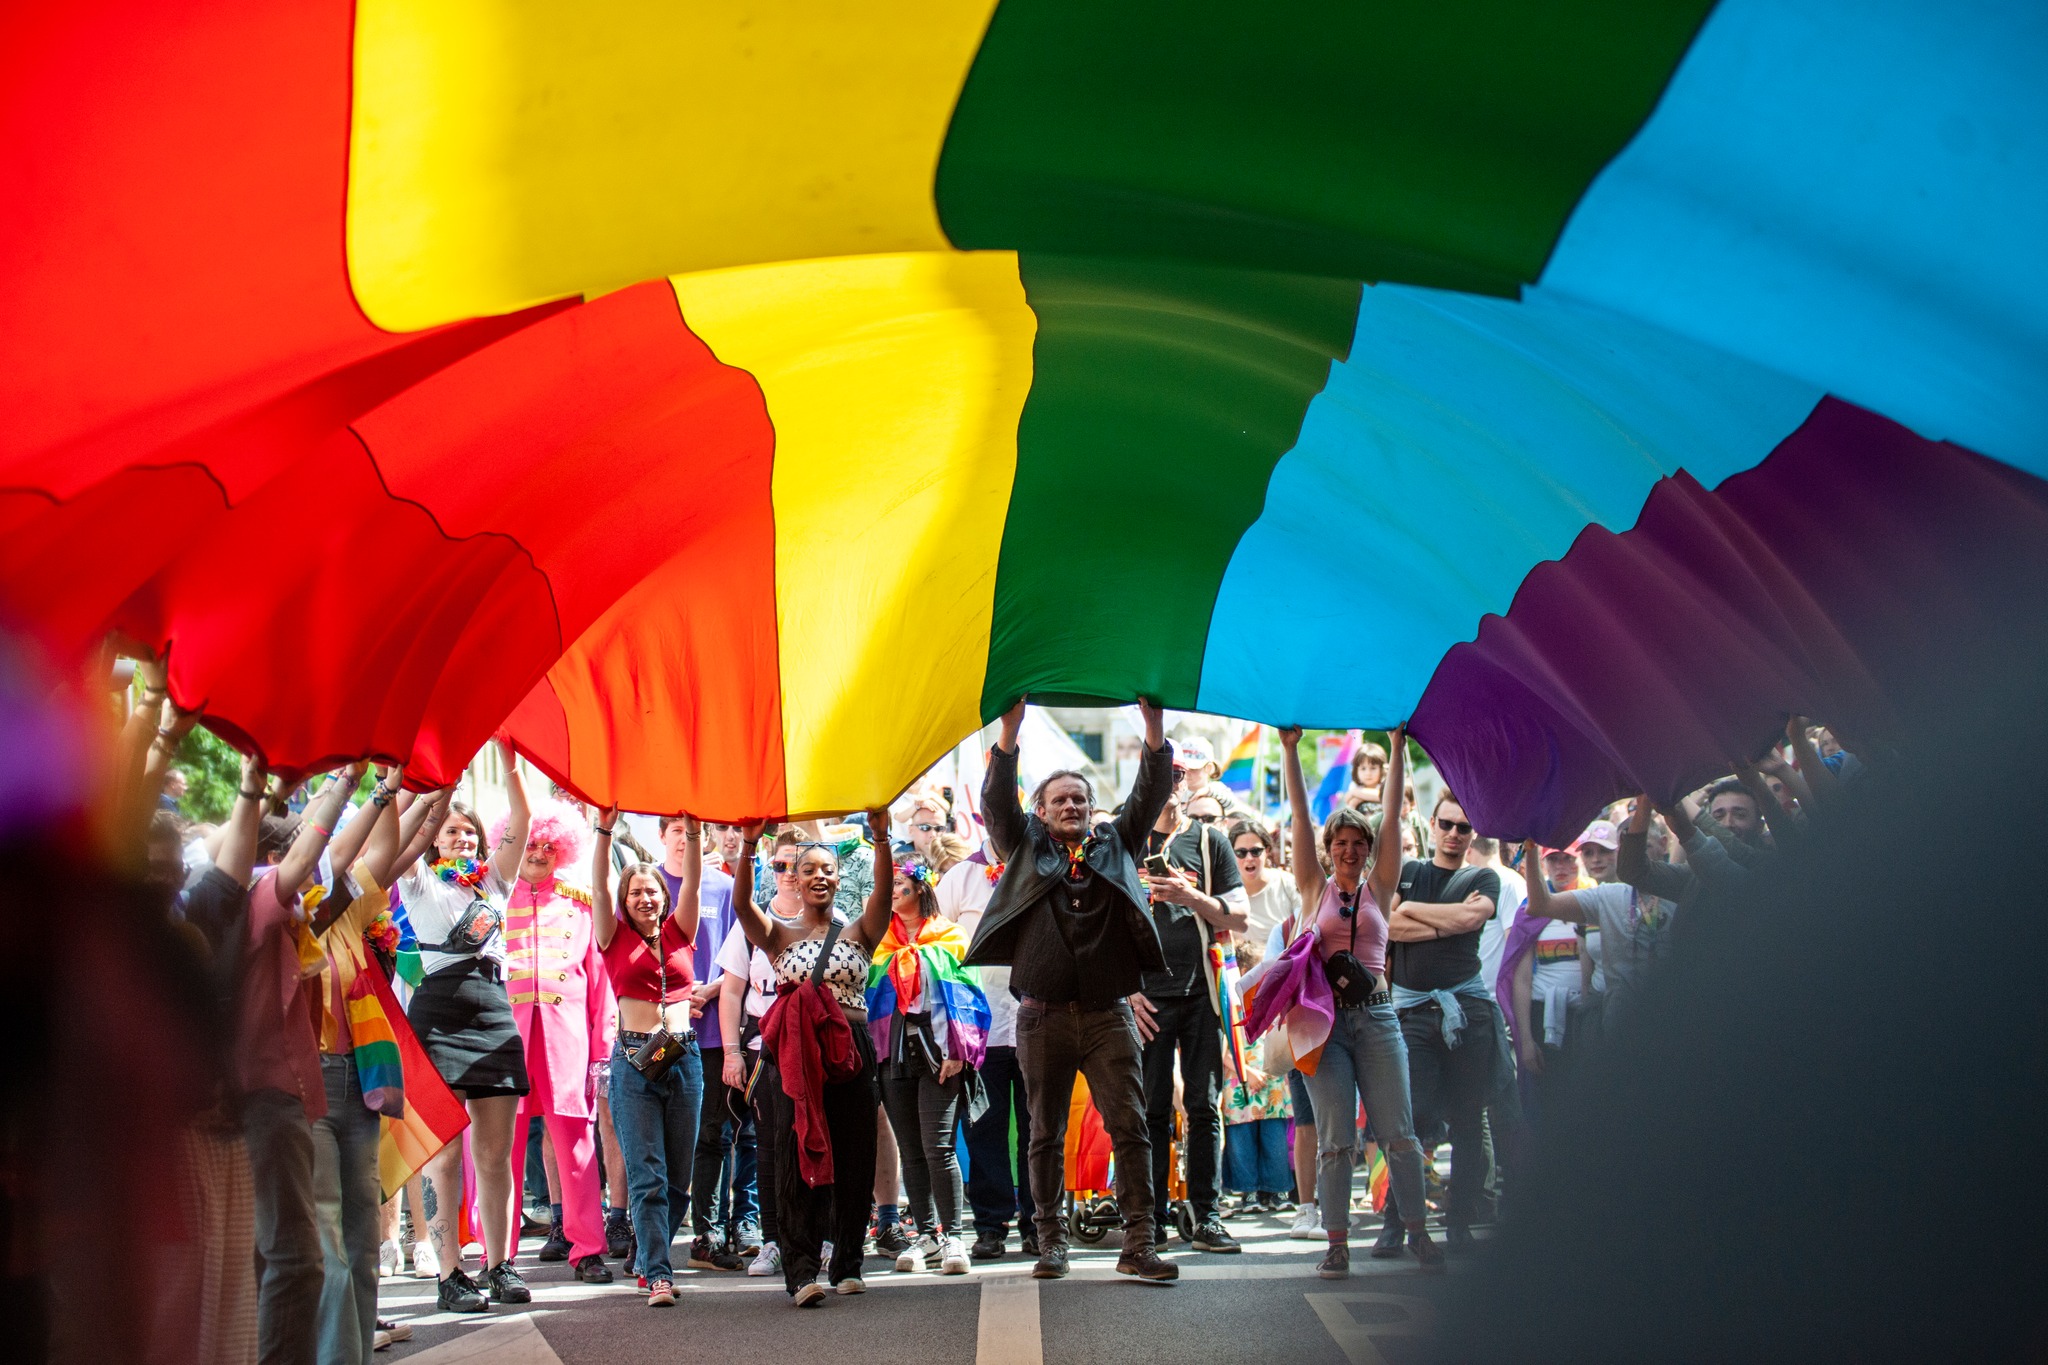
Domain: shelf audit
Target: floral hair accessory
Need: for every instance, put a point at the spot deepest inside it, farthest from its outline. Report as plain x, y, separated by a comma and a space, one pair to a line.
381, 933
918, 871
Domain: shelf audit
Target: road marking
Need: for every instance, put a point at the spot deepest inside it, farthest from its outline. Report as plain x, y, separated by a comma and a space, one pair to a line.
1415, 1317
513, 1342
1008, 1333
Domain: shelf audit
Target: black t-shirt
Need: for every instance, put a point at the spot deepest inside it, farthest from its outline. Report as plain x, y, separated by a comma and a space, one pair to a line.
1181, 930
1072, 946
1437, 964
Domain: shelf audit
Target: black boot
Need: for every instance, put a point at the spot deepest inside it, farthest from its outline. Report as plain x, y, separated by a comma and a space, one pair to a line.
618, 1235
556, 1247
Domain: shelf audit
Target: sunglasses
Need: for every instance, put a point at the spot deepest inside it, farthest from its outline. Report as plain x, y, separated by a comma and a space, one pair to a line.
927, 829
1252, 851
1447, 826
1205, 819
782, 869
1180, 775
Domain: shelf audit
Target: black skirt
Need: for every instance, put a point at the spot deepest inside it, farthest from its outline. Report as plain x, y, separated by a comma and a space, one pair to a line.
464, 1021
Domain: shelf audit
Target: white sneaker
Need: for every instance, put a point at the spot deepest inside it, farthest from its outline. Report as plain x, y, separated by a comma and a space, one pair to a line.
852, 1284
809, 1295
380, 1341
1308, 1224
425, 1264
388, 1259
918, 1253
953, 1257
769, 1262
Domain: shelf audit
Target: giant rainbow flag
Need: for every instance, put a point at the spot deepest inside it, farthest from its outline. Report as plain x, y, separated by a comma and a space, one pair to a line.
741, 402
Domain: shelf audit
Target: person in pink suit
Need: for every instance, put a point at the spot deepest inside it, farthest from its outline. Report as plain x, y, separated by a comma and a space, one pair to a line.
561, 1000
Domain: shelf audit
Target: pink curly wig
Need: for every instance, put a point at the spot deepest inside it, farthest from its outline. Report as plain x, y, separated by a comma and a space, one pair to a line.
554, 822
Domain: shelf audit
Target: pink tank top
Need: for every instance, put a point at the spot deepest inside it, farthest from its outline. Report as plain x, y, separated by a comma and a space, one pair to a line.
1335, 930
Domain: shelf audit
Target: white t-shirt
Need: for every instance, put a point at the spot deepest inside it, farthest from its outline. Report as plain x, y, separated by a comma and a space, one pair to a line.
434, 907
1554, 976
1269, 909
1493, 935
964, 892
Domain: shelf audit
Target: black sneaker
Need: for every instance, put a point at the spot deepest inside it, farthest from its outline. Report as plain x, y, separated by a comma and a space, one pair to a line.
987, 1247
592, 1270
1052, 1263
1458, 1240
1391, 1242
1147, 1265
1337, 1264
618, 1235
892, 1241
1426, 1251
706, 1254
506, 1286
556, 1247
1210, 1236
458, 1294
1028, 1239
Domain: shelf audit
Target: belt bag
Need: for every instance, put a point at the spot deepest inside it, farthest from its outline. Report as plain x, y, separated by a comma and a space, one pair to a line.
477, 927
1352, 984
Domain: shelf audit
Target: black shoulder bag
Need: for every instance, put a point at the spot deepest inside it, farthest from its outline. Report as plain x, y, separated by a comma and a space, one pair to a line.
1351, 985
660, 1051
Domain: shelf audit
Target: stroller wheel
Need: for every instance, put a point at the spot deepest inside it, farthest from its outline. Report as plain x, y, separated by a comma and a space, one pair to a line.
1093, 1220
1184, 1219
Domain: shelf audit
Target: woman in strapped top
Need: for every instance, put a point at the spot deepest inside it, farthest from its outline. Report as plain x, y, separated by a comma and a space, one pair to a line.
648, 948
463, 1017
1366, 1056
810, 1217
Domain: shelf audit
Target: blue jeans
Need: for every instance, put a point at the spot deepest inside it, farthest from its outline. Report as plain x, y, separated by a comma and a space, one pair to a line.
657, 1126
346, 1197
1255, 1157
1367, 1058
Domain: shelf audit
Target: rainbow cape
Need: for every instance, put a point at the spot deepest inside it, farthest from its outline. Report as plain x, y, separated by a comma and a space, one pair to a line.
926, 974
1291, 989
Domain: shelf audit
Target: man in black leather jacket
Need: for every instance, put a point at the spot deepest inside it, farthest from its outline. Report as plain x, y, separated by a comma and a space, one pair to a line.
1069, 918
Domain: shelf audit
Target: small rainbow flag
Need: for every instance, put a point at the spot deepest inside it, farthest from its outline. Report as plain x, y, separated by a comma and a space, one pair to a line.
1239, 771
1223, 965
433, 1117
375, 1039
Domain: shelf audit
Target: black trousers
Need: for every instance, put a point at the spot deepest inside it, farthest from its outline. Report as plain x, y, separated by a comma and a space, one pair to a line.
807, 1217
997, 1190
924, 1113
1188, 1026
1054, 1044
1451, 1085
764, 1149
724, 1126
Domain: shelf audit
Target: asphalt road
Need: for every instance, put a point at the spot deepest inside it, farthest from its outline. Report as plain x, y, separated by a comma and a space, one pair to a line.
1263, 1304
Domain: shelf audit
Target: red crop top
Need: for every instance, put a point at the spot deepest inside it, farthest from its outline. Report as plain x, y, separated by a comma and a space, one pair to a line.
634, 972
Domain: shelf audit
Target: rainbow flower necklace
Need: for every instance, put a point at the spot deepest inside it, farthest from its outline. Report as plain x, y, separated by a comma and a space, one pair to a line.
460, 872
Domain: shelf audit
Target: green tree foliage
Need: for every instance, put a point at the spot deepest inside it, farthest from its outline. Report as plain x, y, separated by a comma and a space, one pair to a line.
213, 772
